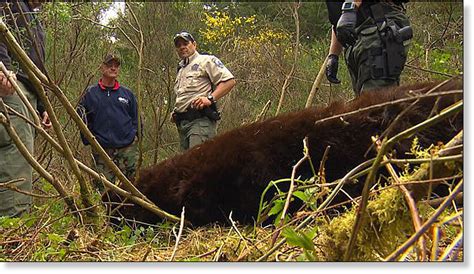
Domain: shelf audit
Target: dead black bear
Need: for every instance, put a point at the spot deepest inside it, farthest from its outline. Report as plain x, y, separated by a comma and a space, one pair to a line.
229, 172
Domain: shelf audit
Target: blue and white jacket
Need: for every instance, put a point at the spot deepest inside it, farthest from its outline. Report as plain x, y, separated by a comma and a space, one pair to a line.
111, 114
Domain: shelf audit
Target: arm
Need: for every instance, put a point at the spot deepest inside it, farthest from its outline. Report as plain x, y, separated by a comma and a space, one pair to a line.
346, 25
6, 87
133, 112
332, 65
220, 76
335, 47
222, 89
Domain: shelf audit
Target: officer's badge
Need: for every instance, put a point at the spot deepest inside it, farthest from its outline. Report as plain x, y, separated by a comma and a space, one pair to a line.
218, 63
195, 67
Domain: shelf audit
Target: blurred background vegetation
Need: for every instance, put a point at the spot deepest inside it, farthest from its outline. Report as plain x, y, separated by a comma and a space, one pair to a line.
257, 41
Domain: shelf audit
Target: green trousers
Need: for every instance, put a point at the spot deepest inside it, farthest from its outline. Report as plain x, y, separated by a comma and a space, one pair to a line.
125, 158
371, 65
192, 133
12, 163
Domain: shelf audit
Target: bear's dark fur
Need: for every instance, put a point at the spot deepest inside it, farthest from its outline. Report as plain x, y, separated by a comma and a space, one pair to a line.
229, 172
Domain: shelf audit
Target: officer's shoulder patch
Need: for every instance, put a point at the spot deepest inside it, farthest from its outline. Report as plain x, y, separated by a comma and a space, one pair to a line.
218, 62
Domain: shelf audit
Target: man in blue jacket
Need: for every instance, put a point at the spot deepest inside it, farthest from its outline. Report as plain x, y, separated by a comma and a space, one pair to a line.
111, 114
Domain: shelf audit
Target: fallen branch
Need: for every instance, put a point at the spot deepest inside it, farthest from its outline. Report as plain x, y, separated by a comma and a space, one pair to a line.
426, 225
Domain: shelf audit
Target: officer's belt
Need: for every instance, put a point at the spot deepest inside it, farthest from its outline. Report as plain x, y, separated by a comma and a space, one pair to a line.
189, 115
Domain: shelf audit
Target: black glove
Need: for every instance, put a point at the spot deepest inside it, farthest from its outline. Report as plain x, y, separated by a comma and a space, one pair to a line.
345, 29
331, 69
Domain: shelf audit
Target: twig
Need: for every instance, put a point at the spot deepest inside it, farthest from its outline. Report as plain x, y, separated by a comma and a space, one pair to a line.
453, 248
454, 144
180, 232
218, 253
415, 216
428, 70
322, 172
394, 102
435, 243
293, 174
18, 52
316, 84
445, 113
449, 219
28, 193
292, 186
264, 111
139, 49
238, 232
407, 109
323, 205
426, 225
286, 83
20, 93
207, 253
424, 160
5, 184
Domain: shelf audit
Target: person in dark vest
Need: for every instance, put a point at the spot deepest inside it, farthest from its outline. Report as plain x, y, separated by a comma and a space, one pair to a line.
110, 112
374, 35
12, 163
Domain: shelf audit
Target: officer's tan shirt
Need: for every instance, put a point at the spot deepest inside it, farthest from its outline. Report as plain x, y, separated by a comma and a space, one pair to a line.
195, 78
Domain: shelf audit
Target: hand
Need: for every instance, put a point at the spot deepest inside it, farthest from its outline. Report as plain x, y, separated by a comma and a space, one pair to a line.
45, 120
200, 103
331, 69
6, 87
345, 29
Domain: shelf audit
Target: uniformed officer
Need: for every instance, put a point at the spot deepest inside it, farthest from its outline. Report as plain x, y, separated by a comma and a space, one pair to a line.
201, 81
374, 35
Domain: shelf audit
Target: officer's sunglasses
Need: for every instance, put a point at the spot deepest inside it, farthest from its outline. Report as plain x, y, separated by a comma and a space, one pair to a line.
185, 35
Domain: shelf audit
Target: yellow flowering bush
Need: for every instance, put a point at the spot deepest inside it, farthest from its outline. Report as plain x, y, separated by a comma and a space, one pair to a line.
243, 32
